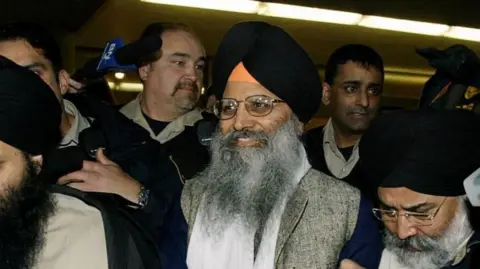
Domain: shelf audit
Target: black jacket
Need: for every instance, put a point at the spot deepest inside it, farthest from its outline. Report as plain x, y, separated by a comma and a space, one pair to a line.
313, 141
130, 146
189, 149
472, 258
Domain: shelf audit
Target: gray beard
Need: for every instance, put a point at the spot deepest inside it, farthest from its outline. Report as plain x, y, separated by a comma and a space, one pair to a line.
435, 252
245, 184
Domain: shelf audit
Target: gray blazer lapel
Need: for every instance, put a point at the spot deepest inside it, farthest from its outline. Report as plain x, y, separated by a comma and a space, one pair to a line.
291, 216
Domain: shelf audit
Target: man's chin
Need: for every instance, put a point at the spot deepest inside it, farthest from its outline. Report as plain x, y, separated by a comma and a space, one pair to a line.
359, 127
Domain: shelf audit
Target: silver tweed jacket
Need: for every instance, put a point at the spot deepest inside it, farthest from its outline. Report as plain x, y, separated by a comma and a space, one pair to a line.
318, 220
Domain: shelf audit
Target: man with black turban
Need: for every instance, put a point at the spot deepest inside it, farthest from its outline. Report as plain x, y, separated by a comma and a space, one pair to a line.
30, 115
259, 204
419, 160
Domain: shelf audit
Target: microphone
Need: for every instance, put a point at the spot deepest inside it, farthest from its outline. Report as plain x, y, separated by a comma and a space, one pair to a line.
472, 188
132, 53
108, 61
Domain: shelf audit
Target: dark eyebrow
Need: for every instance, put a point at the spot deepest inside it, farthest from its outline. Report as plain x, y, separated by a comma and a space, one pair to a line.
358, 83
414, 208
420, 207
352, 82
186, 55
374, 84
180, 54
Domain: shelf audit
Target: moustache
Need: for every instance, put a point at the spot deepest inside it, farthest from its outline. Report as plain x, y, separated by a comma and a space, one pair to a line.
359, 110
254, 135
419, 242
188, 84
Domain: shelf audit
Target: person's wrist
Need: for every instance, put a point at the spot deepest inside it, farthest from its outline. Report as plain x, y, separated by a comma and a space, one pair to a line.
143, 197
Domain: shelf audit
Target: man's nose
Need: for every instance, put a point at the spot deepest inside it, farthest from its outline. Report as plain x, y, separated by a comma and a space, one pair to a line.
363, 99
243, 120
191, 72
405, 228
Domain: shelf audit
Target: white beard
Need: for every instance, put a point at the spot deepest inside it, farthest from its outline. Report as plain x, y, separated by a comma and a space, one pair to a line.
435, 252
246, 183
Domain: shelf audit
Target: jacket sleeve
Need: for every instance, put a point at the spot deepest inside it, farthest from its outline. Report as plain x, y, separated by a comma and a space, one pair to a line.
365, 246
160, 176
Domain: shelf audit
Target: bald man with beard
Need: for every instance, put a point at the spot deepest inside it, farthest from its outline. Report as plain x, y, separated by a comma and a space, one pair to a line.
259, 204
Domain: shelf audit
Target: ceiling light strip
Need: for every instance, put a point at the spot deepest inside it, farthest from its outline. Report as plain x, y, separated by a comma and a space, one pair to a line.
328, 16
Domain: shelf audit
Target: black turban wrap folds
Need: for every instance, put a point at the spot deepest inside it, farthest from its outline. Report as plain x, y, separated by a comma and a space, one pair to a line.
30, 113
275, 60
427, 151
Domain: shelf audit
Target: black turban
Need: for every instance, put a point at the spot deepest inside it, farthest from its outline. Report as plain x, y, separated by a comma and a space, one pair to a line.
275, 60
30, 113
427, 151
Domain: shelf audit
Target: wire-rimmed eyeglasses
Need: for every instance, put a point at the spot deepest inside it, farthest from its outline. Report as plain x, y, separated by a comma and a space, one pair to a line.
420, 219
256, 105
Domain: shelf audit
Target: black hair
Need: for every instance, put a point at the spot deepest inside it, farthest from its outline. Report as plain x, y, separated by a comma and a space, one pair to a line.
356, 53
37, 36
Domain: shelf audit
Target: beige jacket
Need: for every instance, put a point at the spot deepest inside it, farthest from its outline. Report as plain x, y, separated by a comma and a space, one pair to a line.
338, 166
74, 237
318, 220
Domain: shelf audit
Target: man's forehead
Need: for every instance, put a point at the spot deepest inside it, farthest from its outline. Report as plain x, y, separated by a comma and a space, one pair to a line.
182, 42
358, 71
241, 90
21, 52
6, 149
402, 196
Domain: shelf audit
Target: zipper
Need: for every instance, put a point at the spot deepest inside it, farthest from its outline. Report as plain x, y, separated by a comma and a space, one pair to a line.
178, 169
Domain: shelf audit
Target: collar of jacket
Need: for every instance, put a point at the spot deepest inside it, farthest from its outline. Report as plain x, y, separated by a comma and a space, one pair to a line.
133, 110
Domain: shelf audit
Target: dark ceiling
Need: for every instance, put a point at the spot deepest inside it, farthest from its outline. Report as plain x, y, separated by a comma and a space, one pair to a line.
61, 15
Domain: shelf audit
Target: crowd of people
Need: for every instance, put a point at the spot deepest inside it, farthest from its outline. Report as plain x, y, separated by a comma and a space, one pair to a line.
87, 184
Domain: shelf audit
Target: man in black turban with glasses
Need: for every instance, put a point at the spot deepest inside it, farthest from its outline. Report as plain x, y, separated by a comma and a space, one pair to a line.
418, 161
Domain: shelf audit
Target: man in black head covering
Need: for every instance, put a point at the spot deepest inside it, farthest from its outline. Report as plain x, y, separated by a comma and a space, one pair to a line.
259, 204
30, 116
31, 215
418, 160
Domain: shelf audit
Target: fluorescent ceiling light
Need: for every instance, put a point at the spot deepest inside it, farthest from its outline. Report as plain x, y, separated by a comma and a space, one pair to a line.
308, 13
242, 6
125, 86
465, 33
407, 26
130, 87
328, 16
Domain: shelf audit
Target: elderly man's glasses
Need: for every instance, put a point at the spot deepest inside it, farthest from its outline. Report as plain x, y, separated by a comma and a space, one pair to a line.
256, 105
419, 219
